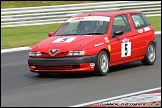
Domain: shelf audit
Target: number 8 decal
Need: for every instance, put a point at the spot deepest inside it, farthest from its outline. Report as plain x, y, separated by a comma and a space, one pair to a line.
125, 49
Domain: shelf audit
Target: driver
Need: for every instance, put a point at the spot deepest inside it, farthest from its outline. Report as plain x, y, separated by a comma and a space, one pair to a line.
84, 26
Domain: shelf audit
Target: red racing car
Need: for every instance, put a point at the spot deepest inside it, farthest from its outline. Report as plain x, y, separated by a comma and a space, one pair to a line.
92, 42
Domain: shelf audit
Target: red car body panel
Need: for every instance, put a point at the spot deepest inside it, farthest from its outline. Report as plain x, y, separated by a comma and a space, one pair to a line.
93, 44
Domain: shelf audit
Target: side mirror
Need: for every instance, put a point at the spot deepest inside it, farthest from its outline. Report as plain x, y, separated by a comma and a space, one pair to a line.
51, 34
117, 33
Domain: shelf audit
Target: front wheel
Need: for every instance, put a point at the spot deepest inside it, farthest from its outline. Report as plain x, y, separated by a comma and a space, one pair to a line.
150, 55
102, 64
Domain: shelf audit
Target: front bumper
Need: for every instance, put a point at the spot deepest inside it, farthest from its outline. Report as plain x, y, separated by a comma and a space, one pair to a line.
70, 64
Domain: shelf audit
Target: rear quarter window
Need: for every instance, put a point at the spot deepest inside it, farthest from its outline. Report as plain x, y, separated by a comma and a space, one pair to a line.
140, 21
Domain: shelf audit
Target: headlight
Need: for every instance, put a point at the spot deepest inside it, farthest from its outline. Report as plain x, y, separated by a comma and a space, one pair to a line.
35, 53
76, 53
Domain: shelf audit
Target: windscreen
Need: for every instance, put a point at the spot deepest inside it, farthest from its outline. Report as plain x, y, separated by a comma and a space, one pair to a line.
88, 25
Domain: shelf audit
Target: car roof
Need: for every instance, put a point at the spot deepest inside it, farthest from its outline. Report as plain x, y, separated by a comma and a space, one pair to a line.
108, 13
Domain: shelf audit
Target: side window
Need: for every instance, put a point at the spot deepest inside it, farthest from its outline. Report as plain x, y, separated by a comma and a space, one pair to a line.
139, 20
121, 23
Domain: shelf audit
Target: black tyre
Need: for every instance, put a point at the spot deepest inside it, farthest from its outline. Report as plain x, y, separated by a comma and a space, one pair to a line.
150, 55
102, 64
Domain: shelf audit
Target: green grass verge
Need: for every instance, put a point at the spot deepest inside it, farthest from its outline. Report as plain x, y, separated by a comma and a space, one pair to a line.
25, 36
156, 22
12, 37
19, 4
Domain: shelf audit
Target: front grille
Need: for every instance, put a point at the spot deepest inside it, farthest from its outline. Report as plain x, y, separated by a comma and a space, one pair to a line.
61, 67
63, 54
59, 55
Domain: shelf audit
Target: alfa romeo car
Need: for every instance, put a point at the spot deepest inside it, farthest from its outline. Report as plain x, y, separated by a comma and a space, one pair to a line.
94, 41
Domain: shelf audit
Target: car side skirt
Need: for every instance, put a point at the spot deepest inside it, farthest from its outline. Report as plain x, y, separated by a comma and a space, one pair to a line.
127, 61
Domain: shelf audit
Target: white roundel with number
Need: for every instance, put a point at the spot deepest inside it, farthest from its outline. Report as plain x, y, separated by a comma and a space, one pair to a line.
125, 49
64, 39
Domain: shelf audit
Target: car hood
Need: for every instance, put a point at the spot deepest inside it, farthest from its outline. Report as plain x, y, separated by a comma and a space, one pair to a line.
65, 43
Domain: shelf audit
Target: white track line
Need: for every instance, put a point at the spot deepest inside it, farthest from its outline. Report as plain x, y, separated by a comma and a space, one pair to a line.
15, 49
121, 96
28, 48
158, 32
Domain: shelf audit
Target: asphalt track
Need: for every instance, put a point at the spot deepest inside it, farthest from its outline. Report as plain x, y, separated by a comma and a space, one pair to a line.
22, 88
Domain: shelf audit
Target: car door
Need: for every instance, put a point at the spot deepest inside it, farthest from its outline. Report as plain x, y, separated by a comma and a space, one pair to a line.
142, 32
122, 44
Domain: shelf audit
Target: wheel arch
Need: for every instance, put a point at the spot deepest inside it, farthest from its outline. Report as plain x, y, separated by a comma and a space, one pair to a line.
146, 60
154, 42
104, 49
98, 70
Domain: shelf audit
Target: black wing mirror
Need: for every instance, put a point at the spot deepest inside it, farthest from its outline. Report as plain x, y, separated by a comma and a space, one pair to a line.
117, 33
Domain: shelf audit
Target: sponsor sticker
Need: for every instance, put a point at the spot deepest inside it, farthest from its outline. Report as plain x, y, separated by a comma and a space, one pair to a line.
89, 18
106, 40
64, 39
125, 40
125, 48
109, 47
140, 31
147, 29
98, 44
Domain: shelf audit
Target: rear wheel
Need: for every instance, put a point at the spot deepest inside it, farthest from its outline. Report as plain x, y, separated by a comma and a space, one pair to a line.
102, 64
150, 55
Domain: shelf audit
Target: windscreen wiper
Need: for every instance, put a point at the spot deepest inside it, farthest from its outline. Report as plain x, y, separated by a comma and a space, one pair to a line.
68, 34
94, 34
